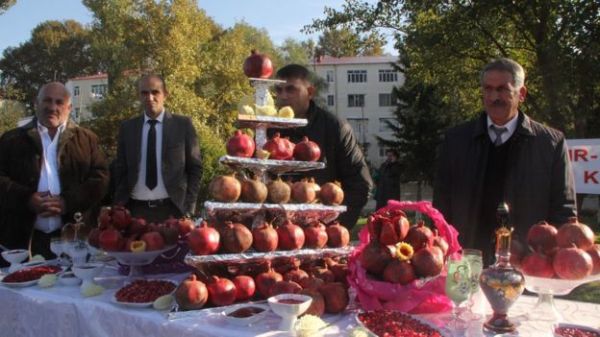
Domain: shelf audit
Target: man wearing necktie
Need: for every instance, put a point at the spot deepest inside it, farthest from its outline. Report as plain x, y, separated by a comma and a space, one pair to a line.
503, 156
50, 169
158, 166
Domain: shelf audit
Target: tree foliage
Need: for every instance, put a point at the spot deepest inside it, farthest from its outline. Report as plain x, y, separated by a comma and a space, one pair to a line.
298, 52
56, 51
11, 112
5, 5
340, 42
557, 41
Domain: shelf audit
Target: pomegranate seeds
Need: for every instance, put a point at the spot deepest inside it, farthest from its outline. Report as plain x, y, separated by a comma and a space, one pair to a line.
386, 323
143, 291
30, 274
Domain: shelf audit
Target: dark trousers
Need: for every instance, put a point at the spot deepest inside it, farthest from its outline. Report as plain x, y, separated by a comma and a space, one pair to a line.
40, 243
153, 210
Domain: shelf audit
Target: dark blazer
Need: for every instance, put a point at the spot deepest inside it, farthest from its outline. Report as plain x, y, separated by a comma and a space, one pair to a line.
538, 185
181, 161
342, 156
83, 175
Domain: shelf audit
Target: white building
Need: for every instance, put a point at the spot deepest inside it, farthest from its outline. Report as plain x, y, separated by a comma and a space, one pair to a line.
360, 90
86, 90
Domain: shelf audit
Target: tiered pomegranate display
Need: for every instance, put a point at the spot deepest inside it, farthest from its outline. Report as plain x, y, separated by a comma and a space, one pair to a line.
400, 266
264, 236
557, 260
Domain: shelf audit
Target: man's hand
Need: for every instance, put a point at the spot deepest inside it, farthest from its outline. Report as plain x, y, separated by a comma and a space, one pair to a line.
46, 205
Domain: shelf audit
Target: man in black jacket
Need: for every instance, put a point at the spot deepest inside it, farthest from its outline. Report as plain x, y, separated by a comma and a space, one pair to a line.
503, 156
343, 158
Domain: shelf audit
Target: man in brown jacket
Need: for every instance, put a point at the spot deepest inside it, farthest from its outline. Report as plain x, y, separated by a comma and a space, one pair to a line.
49, 169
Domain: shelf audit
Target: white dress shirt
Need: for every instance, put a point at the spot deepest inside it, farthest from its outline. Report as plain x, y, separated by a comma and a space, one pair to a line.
140, 190
510, 126
49, 178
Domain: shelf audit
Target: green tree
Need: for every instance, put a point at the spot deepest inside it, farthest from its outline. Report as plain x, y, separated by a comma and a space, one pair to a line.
557, 41
56, 51
298, 52
11, 112
5, 5
340, 42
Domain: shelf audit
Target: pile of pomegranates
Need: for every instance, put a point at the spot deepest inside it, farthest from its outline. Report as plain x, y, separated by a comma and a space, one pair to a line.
322, 279
277, 148
567, 253
400, 253
118, 231
228, 188
231, 237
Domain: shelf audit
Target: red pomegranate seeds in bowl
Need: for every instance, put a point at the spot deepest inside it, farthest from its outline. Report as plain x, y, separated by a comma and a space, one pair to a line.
144, 291
31, 274
388, 323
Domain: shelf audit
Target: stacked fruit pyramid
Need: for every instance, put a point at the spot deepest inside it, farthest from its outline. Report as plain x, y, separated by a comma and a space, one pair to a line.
264, 236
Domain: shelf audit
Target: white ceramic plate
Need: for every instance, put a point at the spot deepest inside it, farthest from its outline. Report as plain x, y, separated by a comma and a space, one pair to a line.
20, 284
422, 321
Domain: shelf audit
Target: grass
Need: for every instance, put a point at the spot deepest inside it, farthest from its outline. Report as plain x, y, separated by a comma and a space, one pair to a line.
589, 292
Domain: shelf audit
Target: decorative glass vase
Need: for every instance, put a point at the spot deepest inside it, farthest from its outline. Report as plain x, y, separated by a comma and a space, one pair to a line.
501, 283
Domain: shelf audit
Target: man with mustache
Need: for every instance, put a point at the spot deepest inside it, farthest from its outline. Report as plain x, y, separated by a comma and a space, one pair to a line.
503, 156
49, 169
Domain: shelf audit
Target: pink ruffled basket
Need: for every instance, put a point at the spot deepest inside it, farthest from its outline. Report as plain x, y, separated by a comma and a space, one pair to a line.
418, 297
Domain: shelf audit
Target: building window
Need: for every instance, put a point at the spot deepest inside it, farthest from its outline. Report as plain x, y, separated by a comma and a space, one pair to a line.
76, 114
356, 100
388, 75
330, 77
355, 76
383, 125
385, 100
330, 100
99, 90
76, 91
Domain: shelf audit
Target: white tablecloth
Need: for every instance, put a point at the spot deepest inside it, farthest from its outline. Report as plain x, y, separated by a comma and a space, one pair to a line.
62, 311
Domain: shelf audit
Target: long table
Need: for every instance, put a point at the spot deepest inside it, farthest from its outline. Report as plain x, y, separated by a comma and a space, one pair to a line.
63, 311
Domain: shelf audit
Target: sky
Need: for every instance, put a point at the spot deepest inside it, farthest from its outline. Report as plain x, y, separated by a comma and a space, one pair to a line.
281, 18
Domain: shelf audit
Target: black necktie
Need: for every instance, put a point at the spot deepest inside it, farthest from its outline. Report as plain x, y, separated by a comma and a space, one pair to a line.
151, 156
498, 131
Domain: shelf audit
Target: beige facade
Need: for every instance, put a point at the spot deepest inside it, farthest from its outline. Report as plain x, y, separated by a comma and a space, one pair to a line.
360, 90
85, 91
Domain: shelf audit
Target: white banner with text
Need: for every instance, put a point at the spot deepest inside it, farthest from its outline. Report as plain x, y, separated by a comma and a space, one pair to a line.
585, 161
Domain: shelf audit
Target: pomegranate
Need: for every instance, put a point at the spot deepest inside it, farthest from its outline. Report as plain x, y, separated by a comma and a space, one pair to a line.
393, 229
225, 188
331, 194
317, 306
311, 282
572, 263
221, 291
290, 236
440, 242
235, 237
104, 218
285, 287
279, 148
336, 297
138, 226
537, 264
110, 240
296, 275
240, 145
203, 240
258, 65
184, 226
575, 232
594, 252
169, 234
323, 273
428, 261
375, 257
121, 218
265, 281
399, 272
94, 237
339, 270
253, 190
191, 294
303, 191
338, 235
316, 235
518, 250
264, 237
279, 191
542, 237
307, 150
419, 236
244, 287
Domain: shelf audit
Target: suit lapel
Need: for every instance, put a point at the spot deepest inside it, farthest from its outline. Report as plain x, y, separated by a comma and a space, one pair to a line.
34, 136
63, 139
166, 131
136, 142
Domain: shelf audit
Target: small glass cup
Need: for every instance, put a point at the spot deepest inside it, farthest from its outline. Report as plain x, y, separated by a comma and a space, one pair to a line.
458, 288
475, 260
57, 246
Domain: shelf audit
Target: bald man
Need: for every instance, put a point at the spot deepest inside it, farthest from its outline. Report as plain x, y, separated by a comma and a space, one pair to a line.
49, 169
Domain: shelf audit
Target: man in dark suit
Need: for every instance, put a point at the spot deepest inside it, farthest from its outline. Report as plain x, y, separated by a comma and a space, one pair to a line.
158, 165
